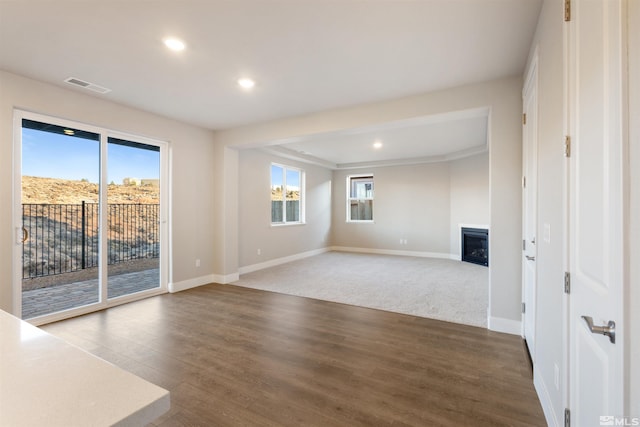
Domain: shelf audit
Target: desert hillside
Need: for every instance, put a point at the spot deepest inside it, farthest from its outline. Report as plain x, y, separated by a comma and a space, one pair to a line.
62, 191
276, 194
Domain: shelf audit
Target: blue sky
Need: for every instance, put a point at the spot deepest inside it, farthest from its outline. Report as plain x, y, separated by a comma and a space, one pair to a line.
51, 155
293, 177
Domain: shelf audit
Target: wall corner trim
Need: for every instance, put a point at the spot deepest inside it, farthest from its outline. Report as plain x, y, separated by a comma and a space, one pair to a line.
508, 326
225, 279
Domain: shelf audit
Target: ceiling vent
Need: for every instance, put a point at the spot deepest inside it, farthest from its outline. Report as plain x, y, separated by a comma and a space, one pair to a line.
86, 85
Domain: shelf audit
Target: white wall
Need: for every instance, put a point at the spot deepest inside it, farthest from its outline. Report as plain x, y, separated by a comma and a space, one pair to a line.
469, 182
549, 314
504, 100
410, 202
423, 204
192, 154
420, 203
255, 229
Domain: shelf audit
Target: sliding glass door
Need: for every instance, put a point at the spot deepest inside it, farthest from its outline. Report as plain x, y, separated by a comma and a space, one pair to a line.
133, 217
89, 215
59, 207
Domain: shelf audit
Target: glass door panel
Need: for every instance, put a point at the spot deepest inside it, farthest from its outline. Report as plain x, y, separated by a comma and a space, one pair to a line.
60, 218
133, 217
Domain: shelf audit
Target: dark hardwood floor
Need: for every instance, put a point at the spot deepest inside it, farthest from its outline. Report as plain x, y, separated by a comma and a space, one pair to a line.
233, 356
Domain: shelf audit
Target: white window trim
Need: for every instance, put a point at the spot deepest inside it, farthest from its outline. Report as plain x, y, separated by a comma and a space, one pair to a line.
349, 199
302, 220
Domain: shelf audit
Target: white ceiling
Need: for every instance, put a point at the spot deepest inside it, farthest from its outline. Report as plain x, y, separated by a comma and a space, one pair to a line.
426, 139
305, 56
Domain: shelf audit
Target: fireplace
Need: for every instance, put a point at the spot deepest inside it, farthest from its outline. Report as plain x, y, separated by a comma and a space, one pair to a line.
475, 245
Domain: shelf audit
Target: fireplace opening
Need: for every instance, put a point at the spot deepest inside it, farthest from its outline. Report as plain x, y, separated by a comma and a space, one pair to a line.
475, 245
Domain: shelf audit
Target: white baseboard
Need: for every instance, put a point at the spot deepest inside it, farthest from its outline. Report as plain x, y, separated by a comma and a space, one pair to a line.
396, 252
284, 260
226, 278
203, 280
507, 326
545, 400
192, 283
280, 261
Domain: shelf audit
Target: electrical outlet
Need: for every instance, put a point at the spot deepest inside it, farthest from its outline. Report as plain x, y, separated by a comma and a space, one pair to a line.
406, 241
259, 251
197, 262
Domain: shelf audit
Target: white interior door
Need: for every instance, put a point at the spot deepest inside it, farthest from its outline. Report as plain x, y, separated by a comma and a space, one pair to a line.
530, 203
597, 99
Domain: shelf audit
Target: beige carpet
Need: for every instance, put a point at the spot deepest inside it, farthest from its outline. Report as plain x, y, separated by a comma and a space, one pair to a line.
435, 288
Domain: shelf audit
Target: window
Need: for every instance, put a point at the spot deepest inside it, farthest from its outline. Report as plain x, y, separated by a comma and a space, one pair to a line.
360, 198
287, 188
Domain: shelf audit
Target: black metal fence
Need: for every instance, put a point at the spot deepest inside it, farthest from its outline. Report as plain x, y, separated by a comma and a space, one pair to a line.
292, 208
62, 238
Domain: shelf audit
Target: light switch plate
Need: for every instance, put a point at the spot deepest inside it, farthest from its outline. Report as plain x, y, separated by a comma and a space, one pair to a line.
547, 233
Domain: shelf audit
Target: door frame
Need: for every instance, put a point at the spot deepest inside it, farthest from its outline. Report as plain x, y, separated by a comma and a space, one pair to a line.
530, 89
165, 203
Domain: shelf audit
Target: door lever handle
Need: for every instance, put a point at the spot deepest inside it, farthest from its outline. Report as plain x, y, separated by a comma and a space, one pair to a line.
21, 235
609, 330
530, 258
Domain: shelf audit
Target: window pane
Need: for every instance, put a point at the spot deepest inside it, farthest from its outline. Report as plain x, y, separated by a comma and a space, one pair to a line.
361, 210
60, 218
360, 199
286, 194
276, 210
277, 175
362, 188
133, 232
293, 184
293, 195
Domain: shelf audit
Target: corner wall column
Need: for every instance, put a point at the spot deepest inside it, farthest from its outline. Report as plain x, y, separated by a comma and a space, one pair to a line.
225, 189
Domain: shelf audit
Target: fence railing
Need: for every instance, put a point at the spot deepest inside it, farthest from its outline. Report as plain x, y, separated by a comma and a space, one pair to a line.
292, 210
63, 238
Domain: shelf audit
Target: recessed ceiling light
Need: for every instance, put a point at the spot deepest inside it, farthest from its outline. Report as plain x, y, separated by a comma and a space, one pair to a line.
246, 83
377, 145
69, 132
174, 44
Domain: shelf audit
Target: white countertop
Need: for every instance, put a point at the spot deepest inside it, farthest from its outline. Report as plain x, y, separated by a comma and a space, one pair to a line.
45, 381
